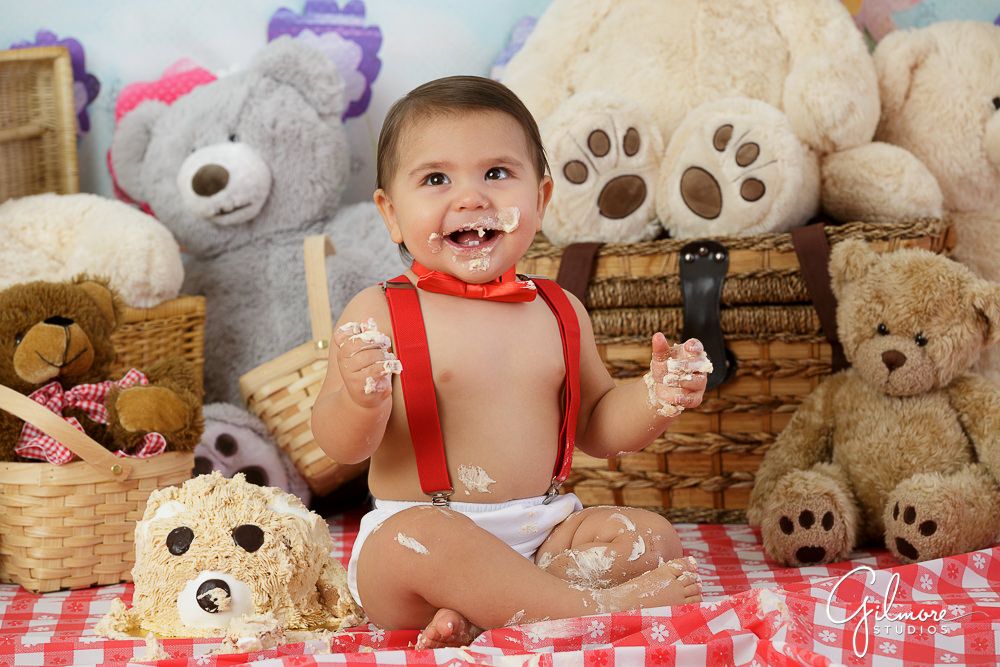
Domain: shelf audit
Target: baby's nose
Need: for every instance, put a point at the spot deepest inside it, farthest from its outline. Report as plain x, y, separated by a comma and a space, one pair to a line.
471, 199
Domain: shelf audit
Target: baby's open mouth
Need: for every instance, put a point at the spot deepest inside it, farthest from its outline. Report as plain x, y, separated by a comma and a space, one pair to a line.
472, 238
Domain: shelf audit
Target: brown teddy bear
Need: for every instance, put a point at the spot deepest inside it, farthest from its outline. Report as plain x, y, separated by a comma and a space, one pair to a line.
223, 557
905, 445
55, 338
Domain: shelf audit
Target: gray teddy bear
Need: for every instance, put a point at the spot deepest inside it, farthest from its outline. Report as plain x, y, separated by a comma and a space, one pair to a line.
241, 170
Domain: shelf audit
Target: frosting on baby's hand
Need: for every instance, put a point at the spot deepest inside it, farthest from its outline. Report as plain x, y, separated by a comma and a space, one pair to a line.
681, 368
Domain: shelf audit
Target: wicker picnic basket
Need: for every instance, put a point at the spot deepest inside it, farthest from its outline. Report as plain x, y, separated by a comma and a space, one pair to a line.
174, 328
72, 526
282, 391
702, 469
37, 123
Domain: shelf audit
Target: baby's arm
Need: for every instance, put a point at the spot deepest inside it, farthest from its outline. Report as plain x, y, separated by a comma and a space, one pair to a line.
625, 418
353, 406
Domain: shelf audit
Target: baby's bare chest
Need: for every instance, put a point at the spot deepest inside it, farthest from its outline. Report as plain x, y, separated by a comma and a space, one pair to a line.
500, 350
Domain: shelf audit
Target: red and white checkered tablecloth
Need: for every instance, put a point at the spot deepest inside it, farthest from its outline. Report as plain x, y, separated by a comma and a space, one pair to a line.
754, 614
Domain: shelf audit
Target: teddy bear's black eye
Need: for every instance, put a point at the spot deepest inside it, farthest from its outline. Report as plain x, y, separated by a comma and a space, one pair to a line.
996, 103
920, 339
232, 137
883, 330
179, 540
249, 537
18, 338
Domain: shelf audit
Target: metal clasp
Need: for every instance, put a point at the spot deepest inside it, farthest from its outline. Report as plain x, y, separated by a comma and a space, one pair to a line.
441, 498
553, 491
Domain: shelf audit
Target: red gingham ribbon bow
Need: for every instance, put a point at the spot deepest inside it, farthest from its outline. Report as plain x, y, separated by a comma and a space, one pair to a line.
34, 444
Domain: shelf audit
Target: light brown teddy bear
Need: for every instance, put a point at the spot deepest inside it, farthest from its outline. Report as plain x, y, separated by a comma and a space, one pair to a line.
903, 445
223, 557
55, 339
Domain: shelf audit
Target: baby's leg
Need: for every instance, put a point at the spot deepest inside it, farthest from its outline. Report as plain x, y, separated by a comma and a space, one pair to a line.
427, 559
606, 546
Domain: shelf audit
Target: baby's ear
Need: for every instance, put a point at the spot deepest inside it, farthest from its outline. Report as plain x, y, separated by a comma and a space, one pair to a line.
986, 303
850, 261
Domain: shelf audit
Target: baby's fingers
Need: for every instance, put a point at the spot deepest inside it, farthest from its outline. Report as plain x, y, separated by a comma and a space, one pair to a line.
677, 396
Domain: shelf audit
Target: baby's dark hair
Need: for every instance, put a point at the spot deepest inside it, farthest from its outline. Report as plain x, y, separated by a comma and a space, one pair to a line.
452, 94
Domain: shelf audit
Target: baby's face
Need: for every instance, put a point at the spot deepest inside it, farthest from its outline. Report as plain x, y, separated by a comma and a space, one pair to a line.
465, 197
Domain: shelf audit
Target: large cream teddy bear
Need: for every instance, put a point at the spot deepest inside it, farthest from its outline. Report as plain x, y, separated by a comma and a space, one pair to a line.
710, 117
905, 444
220, 557
940, 91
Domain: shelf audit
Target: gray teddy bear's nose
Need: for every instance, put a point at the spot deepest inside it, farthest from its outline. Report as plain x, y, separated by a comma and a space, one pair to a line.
209, 179
893, 359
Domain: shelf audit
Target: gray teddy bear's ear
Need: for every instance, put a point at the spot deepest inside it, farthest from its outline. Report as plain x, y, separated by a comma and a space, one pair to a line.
129, 144
307, 70
849, 261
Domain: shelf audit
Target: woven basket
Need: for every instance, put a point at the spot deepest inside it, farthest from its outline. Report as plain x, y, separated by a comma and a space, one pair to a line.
282, 391
37, 123
702, 469
72, 526
174, 328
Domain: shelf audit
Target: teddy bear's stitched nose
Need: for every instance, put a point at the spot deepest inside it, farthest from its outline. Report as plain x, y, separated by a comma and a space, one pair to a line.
59, 321
205, 600
209, 179
893, 359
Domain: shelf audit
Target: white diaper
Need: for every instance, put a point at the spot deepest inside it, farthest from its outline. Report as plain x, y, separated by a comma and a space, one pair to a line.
523, 524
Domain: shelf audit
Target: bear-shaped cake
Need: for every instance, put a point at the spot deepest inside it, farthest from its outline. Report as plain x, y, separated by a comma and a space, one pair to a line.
217, 554
904, 445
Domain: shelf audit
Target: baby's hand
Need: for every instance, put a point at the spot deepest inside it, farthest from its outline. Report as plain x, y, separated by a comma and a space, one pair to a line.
366, 365
677, 375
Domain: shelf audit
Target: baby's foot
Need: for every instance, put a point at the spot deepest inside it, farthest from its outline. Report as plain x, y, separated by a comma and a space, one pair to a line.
447, 628
673, 582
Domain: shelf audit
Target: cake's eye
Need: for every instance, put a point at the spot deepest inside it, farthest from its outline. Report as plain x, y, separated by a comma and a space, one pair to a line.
248, 537
996, 103
179, 540
883, 330
920, 339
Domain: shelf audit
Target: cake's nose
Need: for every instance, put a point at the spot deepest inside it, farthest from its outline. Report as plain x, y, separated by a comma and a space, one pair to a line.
213, 602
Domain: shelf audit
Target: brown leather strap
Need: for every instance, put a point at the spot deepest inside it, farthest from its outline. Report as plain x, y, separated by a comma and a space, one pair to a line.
813, 251
576, 268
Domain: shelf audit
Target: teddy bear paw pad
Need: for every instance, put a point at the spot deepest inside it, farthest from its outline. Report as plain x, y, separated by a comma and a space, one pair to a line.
905, 525
605, 163
806, 535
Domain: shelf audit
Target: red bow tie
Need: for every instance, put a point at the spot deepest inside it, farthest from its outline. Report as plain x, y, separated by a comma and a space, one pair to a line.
505, 288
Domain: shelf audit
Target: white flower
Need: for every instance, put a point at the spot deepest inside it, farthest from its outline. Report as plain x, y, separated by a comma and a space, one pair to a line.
45, 617
203, 659
886, 647
595, 628
979, 561
378, 634
956, 609
712, 606
948, 657
828, 636
534, 635
925, 582
659, 632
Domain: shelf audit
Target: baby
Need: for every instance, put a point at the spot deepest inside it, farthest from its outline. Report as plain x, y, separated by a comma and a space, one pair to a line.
470, 442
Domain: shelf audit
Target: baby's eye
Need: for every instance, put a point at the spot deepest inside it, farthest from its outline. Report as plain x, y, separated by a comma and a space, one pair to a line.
437, 178
497, 174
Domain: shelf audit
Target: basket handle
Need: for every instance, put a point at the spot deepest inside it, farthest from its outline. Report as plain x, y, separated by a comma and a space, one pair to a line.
316, 249
97, 457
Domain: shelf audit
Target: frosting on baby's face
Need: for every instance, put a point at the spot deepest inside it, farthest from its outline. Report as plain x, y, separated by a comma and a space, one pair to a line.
466, 199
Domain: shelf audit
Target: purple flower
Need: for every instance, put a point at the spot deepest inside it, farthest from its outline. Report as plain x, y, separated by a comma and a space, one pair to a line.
341, 35
518, 36
85, 85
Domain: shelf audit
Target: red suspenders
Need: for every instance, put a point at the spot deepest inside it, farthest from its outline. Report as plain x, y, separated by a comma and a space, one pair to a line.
418, 384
